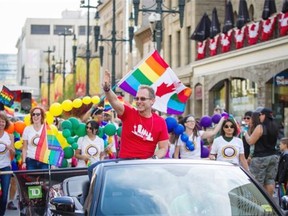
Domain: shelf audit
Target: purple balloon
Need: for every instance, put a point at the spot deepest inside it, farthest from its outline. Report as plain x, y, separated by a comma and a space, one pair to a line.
225, 114
179, 129
171, 123
204, 152
206, 121
216, 118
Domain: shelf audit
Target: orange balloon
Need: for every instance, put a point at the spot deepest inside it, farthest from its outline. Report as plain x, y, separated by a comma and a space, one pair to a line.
19, 126
11, 128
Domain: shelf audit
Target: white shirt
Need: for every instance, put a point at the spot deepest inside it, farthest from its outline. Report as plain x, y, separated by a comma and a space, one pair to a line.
90, 148
4, 152
227, 151
187, 154
32, 137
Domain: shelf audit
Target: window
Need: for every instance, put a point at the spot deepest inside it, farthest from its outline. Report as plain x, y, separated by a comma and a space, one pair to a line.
40, 29
82, 30
58, 29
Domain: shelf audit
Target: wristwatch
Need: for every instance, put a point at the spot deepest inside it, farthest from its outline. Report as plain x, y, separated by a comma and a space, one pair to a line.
155, 157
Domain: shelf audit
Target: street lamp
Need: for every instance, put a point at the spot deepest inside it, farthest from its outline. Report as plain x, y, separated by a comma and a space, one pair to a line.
64, 34
74, 51
88, 6
156, 17
49, 51
113, 39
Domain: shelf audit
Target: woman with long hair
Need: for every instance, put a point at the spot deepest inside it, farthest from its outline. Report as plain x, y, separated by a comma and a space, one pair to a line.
32, 138
7, 151
265, 159
228, 146
194, 135
90, 147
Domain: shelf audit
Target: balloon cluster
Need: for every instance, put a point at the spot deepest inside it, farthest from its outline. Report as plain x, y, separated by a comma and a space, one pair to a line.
179, 129
72, 128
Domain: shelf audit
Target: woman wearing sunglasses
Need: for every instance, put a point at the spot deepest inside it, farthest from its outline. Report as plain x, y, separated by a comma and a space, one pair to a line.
90, 147
228, 147
32, 138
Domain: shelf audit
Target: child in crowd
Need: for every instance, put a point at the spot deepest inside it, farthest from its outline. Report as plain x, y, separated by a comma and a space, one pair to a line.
282, 173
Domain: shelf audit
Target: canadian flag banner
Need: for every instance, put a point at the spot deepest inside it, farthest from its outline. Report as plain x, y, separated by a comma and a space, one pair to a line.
268, 27
253, 32
201, 47
283, 23
239, 37
226, 40
213, 45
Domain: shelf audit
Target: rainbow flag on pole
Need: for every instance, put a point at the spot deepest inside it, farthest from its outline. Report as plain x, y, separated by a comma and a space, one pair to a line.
171, 93
49, 149
6, 96
56, 152
42, 151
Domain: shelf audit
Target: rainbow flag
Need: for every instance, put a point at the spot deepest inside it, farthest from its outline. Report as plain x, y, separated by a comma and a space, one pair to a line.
171, 94
56, 152
9, 111
49, 149
6, 96
42, 152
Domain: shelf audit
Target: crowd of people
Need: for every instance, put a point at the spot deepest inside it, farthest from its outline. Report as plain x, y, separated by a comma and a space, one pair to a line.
145, 135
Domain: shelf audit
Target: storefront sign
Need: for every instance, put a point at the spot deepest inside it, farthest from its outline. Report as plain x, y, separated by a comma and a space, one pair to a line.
281, 80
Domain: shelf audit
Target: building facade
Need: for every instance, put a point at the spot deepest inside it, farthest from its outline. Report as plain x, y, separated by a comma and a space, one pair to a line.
238, 80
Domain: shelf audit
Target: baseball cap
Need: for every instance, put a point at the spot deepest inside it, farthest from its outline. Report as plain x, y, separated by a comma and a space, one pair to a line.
267, 112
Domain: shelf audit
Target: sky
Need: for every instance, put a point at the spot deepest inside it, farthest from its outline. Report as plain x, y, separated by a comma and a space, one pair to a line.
13, 14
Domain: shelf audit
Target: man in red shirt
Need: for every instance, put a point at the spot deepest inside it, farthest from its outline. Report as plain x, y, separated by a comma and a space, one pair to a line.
142, 129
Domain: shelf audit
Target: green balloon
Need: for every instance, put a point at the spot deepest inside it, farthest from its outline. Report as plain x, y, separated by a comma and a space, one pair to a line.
100, 132
74, 146
75, 122
64, 163
76, 138
110, 129
66, 133
68, 152
80, 130
66, 125
70, 140
119, 131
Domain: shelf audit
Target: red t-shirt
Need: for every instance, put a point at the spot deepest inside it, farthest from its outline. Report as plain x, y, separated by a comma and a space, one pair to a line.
140, 135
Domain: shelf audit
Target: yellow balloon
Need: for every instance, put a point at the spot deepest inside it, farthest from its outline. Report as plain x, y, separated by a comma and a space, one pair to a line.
56, 109
62, 140
95, 100
18, 144
27, 119
54, 129
49, 117
77, 103
67, 105
86, 100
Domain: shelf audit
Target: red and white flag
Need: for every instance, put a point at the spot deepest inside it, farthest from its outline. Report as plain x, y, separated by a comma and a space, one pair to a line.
201, 49
239, 37
226, 40
268, 27
253, 32
213, 45
283, 23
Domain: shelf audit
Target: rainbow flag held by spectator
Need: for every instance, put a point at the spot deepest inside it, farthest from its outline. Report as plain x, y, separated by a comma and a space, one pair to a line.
42, 152
56, 152
6, 96
171, 93
49, 150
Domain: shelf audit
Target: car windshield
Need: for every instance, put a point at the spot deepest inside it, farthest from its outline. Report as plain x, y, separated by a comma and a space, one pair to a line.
160, 189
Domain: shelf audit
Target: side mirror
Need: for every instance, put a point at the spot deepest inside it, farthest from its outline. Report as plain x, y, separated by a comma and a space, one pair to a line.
284, 202
62, 204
